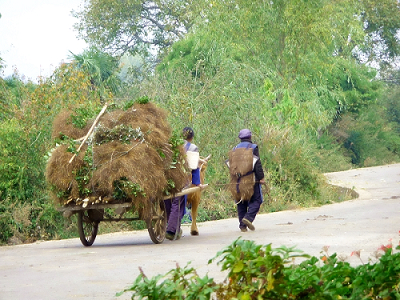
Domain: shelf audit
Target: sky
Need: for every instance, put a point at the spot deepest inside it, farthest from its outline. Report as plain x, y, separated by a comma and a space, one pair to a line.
37, 35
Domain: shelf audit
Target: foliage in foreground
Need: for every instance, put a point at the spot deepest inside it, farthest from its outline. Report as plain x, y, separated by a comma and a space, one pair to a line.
263, 272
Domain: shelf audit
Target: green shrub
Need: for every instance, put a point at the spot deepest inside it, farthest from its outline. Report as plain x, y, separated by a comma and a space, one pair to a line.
177, 284
21, 164
263, 272
288, 160
330, 155
6, 220
367, 139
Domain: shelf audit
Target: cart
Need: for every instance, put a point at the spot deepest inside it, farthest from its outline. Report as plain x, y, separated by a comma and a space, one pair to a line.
90, 216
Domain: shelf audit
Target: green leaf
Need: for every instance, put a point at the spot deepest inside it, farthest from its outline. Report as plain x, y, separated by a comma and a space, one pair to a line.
239, 266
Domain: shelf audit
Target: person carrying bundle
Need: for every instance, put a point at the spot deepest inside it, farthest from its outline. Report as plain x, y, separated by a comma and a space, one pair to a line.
247, 175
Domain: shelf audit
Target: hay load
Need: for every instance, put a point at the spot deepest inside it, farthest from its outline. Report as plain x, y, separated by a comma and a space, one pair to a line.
242, 178
130, 156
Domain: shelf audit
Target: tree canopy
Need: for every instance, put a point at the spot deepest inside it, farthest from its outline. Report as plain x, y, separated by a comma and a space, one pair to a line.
134, 26
381, 21
307, 73
121, 26
102, 69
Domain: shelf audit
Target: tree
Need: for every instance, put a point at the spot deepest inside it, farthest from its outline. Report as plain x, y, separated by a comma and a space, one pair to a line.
381, 24
299, 47
351, 27
102, 69
134, 25
248, 63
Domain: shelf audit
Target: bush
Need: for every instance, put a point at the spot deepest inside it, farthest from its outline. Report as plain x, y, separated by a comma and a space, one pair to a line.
292, 174
26, 211
366, 139
14, 168
263, 272
329, 154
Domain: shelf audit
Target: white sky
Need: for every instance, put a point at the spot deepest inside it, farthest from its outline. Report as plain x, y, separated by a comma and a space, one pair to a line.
37, 35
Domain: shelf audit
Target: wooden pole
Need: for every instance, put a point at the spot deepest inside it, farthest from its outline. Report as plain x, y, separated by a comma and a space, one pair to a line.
186, 191
89, 132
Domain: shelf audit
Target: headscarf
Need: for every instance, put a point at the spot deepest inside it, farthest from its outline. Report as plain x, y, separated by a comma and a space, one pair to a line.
245, 134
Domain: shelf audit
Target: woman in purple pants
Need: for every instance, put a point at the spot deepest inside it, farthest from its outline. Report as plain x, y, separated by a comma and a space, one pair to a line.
175, 207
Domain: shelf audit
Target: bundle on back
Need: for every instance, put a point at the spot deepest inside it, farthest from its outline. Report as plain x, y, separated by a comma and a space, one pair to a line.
131, 156
241, 173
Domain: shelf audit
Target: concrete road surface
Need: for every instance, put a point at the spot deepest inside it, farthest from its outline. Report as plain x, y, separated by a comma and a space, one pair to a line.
67, 270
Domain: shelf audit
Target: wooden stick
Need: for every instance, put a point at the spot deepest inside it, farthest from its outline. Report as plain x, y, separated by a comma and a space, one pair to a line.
89, 132
204, 160
186, 191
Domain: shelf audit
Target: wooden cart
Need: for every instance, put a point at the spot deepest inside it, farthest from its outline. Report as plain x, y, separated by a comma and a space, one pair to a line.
90, 216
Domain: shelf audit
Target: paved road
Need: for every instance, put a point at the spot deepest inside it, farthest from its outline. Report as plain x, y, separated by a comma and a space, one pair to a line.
67, 270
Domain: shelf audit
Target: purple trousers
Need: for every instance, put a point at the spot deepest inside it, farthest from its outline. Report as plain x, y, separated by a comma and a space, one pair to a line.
249, 209
175, 209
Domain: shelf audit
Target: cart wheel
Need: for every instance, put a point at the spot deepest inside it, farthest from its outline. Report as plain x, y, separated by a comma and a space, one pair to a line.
87, 228
157, 223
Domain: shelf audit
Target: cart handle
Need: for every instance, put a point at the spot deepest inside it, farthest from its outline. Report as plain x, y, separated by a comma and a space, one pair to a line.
187, 191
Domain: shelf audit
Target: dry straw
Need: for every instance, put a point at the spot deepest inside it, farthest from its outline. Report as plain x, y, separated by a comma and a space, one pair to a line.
242, 188
61, 174
241, 176
127, 146
63, 125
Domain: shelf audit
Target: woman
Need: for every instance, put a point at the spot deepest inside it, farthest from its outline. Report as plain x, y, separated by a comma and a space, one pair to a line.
176, 207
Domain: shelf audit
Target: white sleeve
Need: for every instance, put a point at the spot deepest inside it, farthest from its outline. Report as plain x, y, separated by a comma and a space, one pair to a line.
193, 148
